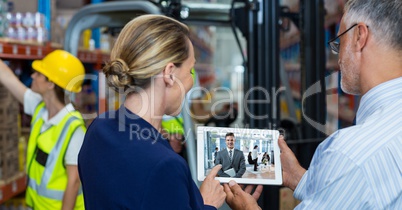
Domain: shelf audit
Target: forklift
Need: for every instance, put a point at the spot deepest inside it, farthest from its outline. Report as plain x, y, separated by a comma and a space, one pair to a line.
259, 22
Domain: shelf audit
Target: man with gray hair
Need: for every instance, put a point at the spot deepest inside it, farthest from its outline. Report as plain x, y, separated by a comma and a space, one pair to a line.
359, 167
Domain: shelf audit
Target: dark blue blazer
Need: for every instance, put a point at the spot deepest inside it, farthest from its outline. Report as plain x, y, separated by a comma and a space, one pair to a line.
125, 163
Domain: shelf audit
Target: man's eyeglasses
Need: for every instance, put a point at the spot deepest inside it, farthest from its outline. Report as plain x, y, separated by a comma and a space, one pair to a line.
335, 45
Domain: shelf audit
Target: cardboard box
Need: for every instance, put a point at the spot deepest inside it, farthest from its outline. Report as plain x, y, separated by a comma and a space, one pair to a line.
9, 164
9, 115
9, 152
9, 111
71, 4
24, 6
8, 139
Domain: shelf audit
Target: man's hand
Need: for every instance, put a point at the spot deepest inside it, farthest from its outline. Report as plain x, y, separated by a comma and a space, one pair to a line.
211, 189
238, 199
292, 171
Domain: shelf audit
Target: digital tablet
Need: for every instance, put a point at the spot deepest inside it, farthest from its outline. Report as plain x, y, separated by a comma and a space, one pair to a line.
247, 156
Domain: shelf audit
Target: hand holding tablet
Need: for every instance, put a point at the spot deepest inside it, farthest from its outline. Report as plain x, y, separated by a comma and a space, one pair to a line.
247, 156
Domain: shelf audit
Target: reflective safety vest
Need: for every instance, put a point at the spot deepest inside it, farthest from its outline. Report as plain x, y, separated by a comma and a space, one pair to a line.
47, 174
173, 124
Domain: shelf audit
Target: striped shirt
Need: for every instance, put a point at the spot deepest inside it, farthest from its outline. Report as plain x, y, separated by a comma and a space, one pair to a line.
360, 167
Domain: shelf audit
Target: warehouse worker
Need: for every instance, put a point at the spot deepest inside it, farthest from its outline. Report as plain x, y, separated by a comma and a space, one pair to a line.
174, 129
57, 130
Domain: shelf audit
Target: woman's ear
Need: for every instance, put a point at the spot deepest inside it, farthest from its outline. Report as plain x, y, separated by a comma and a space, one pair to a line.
51, 85
168, 76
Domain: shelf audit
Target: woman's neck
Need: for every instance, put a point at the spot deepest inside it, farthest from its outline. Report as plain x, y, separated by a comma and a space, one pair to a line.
148, 106
53, 105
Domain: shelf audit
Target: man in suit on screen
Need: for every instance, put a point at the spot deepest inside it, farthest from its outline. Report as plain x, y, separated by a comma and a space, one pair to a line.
231, 158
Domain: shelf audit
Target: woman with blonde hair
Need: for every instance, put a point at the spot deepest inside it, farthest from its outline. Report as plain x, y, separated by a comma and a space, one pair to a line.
125, 162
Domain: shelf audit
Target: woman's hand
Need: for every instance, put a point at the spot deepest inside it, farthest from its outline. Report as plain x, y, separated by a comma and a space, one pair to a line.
211, 189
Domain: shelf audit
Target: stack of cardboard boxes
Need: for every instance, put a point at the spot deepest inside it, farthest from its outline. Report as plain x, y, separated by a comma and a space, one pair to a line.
9, 137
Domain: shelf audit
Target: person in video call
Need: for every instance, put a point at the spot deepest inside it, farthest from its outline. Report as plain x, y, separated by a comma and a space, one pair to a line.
254, 155
231, 158
250, 158
215, 153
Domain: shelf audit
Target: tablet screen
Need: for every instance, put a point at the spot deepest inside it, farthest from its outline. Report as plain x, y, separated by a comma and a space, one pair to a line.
248, 156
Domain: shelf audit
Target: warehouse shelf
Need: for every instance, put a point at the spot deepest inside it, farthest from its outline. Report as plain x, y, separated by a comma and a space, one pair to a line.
12, 187
24, 50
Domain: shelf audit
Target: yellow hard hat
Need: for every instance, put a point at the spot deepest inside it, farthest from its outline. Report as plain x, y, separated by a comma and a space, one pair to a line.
62, 68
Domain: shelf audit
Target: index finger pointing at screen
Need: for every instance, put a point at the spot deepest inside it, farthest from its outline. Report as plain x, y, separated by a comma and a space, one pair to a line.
214, 172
